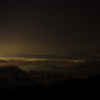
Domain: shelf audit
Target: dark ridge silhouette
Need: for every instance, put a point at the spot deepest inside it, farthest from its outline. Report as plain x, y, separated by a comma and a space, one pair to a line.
79, 89
12, 71
80, 55
3, 61
12, 76
74, 55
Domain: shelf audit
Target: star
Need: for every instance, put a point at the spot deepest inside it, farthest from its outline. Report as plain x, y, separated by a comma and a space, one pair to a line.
31, 24
22, 23
66, 9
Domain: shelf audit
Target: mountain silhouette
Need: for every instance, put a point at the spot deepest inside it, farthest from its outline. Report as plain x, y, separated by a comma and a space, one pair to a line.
11, 76
79, 89
80, 55
74, 55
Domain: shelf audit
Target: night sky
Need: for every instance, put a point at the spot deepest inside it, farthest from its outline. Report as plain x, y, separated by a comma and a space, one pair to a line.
49, 26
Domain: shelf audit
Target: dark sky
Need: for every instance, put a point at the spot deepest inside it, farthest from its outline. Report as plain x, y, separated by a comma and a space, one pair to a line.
49, 26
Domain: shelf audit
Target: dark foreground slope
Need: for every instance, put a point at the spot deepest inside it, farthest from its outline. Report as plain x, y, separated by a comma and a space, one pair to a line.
86, 89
